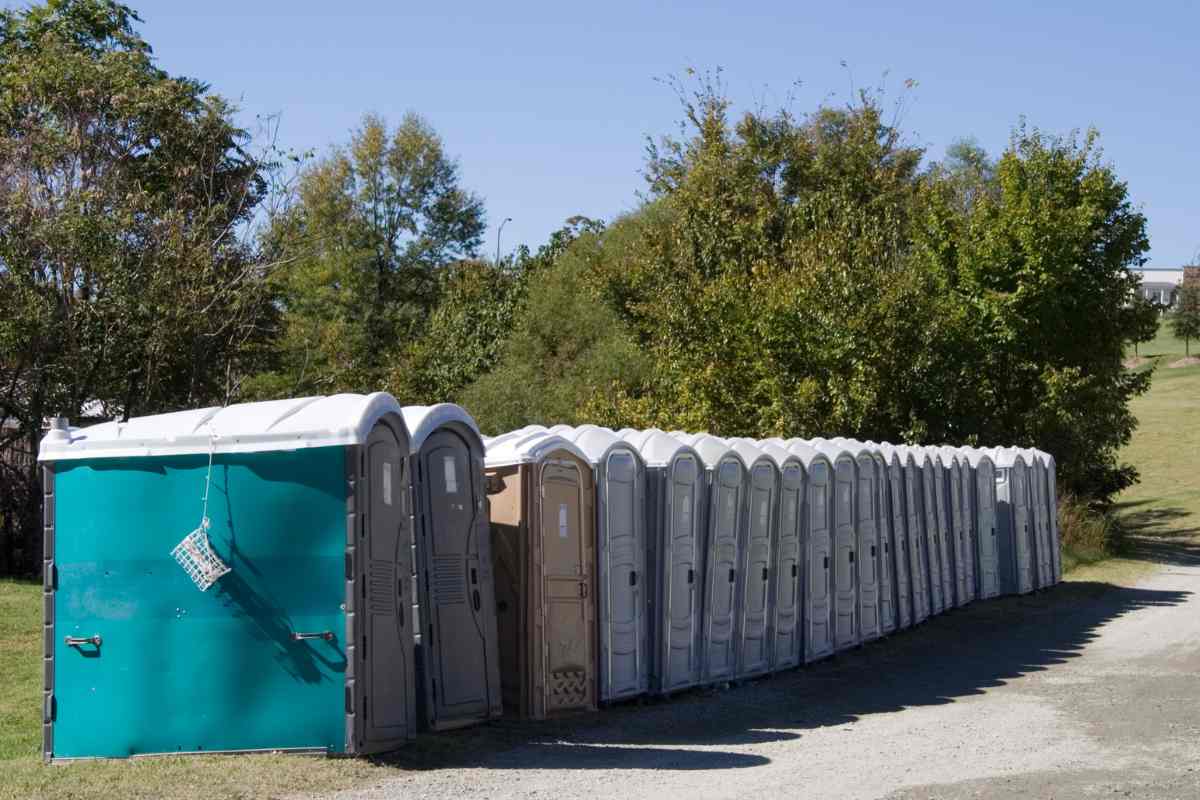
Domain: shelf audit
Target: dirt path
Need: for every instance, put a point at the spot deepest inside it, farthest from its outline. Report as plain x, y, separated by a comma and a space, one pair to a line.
1087, 690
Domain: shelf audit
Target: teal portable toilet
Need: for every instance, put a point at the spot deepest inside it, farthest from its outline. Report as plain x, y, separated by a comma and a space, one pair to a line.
230, 579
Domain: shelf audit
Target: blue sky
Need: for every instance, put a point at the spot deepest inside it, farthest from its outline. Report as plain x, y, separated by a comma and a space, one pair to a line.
547, 105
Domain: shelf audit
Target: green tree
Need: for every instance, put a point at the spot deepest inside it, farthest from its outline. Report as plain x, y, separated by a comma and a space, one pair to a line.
1185, 321
123, 276
365, 241
1144, 317
567, 352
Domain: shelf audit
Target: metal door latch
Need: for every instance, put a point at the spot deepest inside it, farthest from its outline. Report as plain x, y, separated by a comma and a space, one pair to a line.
76, 641
300, 637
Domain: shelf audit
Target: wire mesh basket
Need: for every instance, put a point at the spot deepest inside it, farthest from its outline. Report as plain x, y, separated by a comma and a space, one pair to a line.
198, 559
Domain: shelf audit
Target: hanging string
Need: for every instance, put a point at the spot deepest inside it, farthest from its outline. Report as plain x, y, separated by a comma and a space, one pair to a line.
212, 446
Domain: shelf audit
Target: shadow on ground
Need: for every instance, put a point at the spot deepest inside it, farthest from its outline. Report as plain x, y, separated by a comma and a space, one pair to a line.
982, 646
1156, 535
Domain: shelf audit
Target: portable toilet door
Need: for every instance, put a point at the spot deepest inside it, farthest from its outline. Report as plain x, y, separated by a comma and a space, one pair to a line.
895, 513
970, 538
543, 544
867, 547
941, 507
956, 540
458, 666
885, 558
787, 587
1052, 512
621, 558
934, 564
300, 556
759, 531
914, 523
1012, 522
1041, 516
983, 508
676, 492
845, 545
816, 552
726, 496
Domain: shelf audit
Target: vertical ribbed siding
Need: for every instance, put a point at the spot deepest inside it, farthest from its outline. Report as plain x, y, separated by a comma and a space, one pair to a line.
353, 523
48, 585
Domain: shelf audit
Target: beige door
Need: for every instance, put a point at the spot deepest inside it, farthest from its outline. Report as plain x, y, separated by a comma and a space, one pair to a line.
569, 593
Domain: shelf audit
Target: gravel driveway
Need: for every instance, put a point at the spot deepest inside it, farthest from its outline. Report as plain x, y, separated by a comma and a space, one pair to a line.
1086, 690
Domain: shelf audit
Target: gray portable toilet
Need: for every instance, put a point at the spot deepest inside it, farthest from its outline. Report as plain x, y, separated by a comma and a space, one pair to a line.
894, 513
982, 496
1015, 545
969, 533
888, 604
726, 475
1052, 510
676, 493
956, 540
622, 577
1041, 516
816, 548
458, 662
914, 518
943, 517
871, 583
844, 546
759, 535
934, 556
787, 586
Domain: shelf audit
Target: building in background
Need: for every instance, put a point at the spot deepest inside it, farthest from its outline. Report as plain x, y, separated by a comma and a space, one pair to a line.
1161, 284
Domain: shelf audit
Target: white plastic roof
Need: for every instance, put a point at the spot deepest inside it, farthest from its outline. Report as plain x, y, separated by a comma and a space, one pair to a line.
596, 443
778, 454
424, 420
340, 419
1006, 457
527, 448
657, 448
711, 449
974, 455
805, 452
750, 451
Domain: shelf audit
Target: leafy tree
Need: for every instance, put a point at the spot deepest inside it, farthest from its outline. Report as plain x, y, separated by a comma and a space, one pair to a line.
1144, 316
1185, 322
123, 278
365, 241
566, 350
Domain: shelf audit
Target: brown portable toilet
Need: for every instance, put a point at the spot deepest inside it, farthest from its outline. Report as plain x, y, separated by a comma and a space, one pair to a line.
543, 545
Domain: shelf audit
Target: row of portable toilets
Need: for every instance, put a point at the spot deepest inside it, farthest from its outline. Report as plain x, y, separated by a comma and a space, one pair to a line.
363, 570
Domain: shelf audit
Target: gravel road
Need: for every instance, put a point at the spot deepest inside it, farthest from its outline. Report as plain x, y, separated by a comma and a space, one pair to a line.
1086, 690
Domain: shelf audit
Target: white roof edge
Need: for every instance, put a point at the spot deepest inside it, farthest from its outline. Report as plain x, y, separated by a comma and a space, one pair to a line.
272, 425
422, 421
529, 449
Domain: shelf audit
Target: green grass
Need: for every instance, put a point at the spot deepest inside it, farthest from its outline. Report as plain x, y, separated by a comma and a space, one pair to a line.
1162, 512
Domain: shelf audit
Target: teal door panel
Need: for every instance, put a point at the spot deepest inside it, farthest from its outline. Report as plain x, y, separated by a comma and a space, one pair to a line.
183, 670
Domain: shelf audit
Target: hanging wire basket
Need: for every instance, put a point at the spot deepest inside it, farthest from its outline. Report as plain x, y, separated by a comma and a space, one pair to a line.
199, 561
195, 553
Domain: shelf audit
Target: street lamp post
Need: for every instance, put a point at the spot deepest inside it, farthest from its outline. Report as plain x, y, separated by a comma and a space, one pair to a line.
498, 232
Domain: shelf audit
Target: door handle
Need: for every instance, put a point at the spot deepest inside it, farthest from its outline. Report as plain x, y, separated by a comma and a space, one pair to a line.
764, 577
633, 578
297, 636
76, 641
691, 576
475, 599
583, 593
732, 575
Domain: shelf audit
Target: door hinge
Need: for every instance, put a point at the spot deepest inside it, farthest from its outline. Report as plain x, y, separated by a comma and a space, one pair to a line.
50, 709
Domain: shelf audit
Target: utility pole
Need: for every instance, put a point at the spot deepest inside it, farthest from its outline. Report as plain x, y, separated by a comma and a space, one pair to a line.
499, 231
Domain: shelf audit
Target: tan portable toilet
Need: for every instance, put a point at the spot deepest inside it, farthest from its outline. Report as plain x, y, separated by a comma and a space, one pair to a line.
543, 544
458, 671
